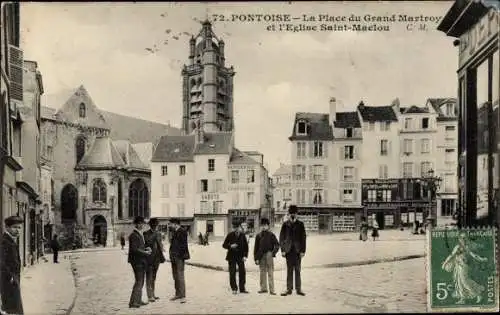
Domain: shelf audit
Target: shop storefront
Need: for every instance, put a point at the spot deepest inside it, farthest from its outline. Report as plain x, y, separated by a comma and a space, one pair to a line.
396, 202
328, 219
475, 24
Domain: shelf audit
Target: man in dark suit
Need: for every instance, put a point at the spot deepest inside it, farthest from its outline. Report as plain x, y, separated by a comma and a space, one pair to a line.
153, 241
237, 253
137, 257
293, 248
179, 253
10, 282
55, 246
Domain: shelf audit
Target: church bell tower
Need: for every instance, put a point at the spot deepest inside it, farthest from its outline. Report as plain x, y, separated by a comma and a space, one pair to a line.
207, 85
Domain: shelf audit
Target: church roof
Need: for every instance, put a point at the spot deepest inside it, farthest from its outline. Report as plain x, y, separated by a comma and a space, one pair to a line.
121, 127
145, 152
184, 148
129, 155
102, 155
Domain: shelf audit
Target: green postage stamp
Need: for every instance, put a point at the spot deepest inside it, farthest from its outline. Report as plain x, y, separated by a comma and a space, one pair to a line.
462, 271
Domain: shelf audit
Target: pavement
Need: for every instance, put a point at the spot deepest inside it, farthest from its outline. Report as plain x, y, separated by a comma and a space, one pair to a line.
105, 281
48, 288
328, 251
364, 284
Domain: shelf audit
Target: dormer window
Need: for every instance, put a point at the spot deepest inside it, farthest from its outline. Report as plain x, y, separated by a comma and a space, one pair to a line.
82, 110
348, 132
302, 128
425, 123
450, 110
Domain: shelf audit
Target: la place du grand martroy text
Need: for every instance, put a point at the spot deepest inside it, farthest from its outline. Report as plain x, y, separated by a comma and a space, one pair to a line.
327, 22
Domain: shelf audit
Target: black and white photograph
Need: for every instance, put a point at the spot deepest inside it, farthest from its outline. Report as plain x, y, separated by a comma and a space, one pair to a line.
248, 157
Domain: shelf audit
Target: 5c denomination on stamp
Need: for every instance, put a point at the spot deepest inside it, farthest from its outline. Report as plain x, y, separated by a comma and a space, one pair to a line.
462, 271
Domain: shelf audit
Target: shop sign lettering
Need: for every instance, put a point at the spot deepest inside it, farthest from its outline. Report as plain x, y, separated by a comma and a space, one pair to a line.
475, 39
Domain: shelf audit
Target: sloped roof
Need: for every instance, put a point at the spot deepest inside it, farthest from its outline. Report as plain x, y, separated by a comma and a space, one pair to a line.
347, 120
284, 169
129, 155
136, 130
436, 103
414, 109
102, 155
377, 113
215, 143
319, 127
241, 158
183, 148
47, 112
145, 151
174, 149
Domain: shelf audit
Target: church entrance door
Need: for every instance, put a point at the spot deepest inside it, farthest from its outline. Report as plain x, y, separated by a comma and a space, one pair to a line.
99, 232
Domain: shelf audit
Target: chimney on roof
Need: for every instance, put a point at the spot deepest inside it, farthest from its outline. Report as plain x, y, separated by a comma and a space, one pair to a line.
361, 105
396, 105
333, 109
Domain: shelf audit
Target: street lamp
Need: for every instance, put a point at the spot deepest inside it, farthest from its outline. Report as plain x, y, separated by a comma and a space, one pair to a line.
433, 183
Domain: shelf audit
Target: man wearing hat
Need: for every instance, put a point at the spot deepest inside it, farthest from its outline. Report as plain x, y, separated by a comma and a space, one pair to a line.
293, 248
10, 282
153, 241
179, 253
265, 249
137, 257
237, 252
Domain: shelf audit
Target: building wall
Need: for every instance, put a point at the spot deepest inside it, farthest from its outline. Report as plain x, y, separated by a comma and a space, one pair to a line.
338, 158
239, 191
221, 173
416, 134
282, 193
302, 192
60, 149
165, 195
371, 152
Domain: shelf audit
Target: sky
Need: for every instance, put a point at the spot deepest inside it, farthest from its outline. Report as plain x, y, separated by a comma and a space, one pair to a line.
103, 46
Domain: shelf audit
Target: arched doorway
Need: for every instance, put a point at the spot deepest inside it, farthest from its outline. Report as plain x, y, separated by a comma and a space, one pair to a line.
138, 204
99, 230
69, 203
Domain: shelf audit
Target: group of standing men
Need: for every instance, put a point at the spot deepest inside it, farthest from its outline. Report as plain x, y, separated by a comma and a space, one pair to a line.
146, 254
292, 241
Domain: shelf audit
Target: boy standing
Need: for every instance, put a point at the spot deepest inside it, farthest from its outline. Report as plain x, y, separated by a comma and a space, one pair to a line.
265, 249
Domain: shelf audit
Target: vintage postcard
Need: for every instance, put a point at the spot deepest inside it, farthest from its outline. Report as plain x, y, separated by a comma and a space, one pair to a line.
249, 157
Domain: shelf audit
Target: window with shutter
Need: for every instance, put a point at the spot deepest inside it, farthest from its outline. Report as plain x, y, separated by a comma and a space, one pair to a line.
325, 172
325, 149
310, 144
311, 172
325, 196
16, 61
341, 153
341, 173
354, 195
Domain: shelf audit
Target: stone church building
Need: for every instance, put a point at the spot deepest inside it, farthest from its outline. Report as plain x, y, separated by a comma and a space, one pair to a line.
99, 170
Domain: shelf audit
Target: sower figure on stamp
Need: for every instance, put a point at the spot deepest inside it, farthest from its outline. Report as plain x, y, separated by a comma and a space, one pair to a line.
265, 249
137, 257
179, 253
10, 282
152, 238
237, 253
293, 248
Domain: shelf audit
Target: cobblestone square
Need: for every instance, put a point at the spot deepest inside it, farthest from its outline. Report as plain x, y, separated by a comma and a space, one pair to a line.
105, 281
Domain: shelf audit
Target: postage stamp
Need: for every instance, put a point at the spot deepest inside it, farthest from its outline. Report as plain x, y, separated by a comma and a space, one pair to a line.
462, 272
